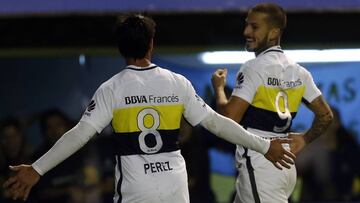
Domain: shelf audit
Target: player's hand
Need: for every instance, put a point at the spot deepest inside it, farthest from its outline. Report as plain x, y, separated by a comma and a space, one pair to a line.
218, 79
19, 185
279, 156
298, 142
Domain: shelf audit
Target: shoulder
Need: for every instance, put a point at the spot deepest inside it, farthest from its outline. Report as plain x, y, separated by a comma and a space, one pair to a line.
111, 84
303, 71
269, 59
250, 64
251, 67
176, 77
260, 62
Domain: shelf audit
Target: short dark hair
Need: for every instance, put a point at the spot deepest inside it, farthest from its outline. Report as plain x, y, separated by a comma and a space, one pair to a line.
276, 14
134, 33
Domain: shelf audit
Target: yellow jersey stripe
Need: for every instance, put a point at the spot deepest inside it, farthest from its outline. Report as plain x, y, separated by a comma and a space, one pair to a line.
125, 120
265, 98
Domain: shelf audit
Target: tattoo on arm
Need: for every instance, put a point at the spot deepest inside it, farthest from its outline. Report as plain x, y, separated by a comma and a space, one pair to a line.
319, 125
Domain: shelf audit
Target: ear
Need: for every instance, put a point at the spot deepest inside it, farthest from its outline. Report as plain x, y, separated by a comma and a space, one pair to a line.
274, 33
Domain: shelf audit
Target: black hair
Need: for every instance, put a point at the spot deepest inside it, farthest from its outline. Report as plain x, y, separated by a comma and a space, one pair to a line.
134, 33
276, 14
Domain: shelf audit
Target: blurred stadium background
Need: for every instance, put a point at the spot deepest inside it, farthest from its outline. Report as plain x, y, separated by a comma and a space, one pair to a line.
54, 54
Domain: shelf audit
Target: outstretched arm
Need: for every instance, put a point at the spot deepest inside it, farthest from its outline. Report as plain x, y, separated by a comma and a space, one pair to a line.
231, 131
322, 120
26, 176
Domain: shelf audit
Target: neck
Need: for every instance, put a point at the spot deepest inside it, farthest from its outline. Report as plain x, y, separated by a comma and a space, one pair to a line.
144, 62
261, 50
265, 48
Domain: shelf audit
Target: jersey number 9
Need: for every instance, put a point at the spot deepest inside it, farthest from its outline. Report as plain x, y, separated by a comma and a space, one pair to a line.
283, 115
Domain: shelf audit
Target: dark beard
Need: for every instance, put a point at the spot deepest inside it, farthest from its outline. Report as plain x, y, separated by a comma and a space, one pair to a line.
262, 46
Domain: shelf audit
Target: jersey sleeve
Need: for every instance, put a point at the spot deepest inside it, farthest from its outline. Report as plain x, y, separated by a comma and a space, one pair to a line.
246, 84
99, 111
311, 90
195, 107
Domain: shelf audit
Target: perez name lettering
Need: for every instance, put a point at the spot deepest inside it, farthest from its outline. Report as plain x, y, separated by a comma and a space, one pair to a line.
157, 167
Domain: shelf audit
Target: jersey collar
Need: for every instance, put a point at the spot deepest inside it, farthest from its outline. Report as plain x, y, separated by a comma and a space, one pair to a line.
137, 68
272, 49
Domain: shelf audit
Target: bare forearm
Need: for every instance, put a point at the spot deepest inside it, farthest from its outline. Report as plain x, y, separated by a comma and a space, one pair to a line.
319, 125
221, 101
218, 81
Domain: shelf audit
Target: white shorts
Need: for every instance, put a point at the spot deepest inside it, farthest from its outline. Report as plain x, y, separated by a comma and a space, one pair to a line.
259, 181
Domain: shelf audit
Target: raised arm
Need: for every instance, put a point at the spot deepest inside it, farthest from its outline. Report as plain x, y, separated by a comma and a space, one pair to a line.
234, 107
26, 176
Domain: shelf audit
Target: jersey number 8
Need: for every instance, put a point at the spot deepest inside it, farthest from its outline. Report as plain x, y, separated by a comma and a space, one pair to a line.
152, 130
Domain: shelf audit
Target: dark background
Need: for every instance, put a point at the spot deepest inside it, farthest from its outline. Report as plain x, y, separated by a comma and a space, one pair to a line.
189, 30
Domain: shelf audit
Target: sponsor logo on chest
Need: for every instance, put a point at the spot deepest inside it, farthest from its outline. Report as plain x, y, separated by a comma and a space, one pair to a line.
142, 99
283, 83
135, 99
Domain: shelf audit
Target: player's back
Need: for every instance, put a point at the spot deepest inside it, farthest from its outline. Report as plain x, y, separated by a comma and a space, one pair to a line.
280, 85
274, 87
149, 104
145, 106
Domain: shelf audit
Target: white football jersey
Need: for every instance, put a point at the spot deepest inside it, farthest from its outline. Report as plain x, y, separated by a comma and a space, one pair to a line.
274, 86
145, 107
